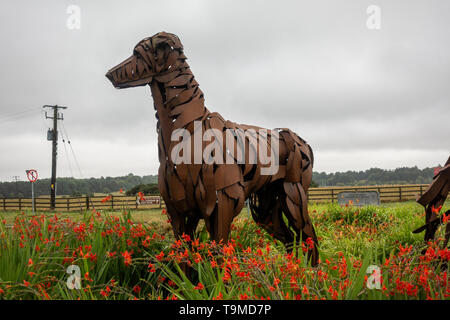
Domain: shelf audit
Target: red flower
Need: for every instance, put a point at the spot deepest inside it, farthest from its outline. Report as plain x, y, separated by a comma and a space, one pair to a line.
305, 290
104, 293
199, 286
219, 297
160, 256
30, 262
127, 258
105, 199
276, 281
136, 289
310, 243
436, 170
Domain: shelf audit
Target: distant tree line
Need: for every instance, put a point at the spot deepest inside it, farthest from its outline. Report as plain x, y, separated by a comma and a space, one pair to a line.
132, 184
374, 176
151, 188
75, 187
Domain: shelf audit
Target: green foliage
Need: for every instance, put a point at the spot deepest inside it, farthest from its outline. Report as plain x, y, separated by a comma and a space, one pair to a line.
375, 176
150, 189
123, 258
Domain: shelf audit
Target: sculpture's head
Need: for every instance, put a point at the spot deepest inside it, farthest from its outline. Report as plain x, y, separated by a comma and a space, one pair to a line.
152, 56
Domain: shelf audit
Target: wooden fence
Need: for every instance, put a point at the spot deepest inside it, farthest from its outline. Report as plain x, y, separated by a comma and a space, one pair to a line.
390, 193
83, 203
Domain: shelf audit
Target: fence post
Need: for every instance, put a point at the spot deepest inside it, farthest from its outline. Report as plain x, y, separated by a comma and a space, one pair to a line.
160, 204
400, 191
332, 195
4, 204
136, 202
20, 204
87, 203
68, 204
421, 190
112, 202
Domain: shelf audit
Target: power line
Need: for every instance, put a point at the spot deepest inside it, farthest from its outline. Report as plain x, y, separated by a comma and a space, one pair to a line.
17, 113
18, 116
67, 155
73, 153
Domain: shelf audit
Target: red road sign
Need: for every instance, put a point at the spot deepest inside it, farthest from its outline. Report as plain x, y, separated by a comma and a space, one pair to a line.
32, 175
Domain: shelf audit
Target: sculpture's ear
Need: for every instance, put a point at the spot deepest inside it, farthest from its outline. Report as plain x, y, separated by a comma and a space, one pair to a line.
167, 39
167, 50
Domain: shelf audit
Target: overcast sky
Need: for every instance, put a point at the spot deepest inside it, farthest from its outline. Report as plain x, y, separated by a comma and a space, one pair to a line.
361, 97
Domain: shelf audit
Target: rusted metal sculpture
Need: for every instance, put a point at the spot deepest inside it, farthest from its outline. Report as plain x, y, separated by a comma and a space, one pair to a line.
433, 198
217, 192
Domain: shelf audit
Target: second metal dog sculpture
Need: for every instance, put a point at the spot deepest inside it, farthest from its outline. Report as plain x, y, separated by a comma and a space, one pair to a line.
216, 192
433, 198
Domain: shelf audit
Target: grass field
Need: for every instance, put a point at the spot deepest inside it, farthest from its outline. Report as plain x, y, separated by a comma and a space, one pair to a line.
133, 255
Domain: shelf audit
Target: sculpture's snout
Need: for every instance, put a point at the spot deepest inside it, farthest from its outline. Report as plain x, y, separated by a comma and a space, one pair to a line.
130, 73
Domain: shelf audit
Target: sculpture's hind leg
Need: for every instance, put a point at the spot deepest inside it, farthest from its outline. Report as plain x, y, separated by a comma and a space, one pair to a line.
266, 210
268, 206
295, 207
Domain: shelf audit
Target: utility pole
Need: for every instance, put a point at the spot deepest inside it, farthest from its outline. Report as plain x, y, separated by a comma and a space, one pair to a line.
52, 135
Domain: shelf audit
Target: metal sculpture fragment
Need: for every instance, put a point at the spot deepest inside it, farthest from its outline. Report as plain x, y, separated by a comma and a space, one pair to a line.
216, 192
433, 198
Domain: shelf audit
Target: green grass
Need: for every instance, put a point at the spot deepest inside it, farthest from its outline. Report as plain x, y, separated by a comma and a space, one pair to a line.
35, 252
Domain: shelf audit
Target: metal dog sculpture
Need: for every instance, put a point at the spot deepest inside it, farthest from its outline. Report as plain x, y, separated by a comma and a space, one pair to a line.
216, 192
432, 199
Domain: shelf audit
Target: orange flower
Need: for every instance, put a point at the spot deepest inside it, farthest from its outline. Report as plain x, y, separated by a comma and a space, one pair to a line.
305, 290
160, 256
436, 210
445, 218
276, 281
127, 258
30, 262
151, 268
86, 276
219, 296
103, 293
105, 199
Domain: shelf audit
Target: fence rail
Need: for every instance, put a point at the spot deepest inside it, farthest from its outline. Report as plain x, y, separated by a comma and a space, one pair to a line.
83, 203
388, 193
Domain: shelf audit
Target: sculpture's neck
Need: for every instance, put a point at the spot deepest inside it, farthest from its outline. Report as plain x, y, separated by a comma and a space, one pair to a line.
178, 101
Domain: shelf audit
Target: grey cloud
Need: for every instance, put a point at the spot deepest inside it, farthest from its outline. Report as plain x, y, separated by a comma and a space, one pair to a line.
310, 66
